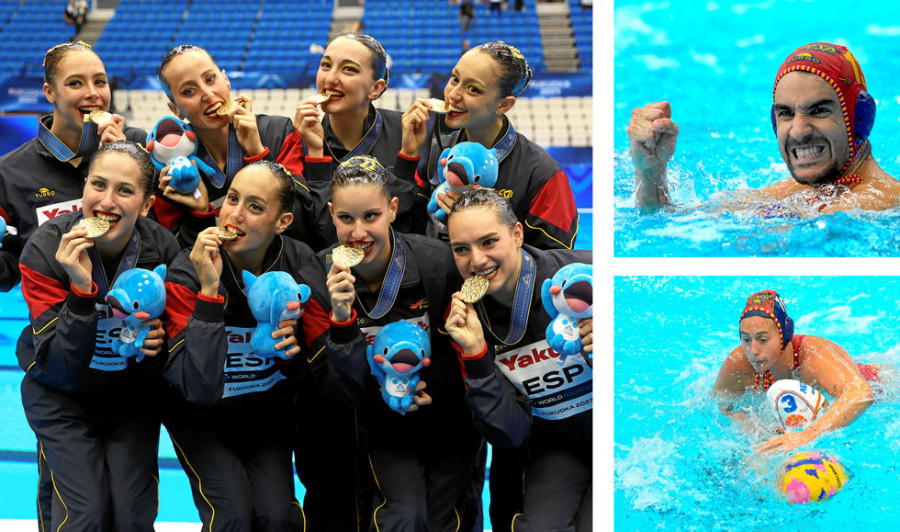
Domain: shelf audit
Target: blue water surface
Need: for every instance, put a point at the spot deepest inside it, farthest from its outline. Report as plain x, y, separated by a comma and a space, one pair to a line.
679, 463
715, 62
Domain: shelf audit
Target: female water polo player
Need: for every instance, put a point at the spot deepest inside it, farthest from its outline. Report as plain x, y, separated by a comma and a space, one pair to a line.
770, 351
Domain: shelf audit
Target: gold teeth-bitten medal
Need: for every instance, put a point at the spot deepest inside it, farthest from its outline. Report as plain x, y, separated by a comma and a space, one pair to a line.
474, 288
351, 256
96, 227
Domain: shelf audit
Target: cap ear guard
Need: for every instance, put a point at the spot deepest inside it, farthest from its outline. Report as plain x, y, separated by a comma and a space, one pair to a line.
772, 116
864, 116
787, 331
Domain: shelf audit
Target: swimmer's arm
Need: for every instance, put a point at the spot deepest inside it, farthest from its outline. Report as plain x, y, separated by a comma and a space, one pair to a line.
878, 195
829, 367
730, 385
652, 135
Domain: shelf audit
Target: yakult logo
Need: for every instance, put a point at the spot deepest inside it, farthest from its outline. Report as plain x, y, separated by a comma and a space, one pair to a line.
48, 212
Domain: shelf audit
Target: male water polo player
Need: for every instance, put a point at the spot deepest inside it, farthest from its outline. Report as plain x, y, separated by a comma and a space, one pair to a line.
770, 351
822, 115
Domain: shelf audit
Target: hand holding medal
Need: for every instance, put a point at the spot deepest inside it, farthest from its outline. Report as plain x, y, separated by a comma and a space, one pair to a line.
414, 124
463, 325
307, 122
207, 260
240, 112
340, 287
110, 127
73, 256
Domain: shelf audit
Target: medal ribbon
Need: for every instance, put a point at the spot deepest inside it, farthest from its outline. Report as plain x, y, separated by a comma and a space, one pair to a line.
432, 130
235, 160
129, 259
391, 285
522, 302
521, 306
89, 141
365, 144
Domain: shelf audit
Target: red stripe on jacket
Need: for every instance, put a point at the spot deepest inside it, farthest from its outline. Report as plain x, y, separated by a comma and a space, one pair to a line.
41, 291
315, 321
180, 303
291, 154
555, 203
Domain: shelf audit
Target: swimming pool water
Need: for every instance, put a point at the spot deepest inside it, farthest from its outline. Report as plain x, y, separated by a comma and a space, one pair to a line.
680, 465
715, 63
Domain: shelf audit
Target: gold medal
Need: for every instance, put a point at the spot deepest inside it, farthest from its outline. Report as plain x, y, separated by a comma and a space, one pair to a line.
100, 117
226, 108
96, 227
226, 233
319, 99
474, 288
438, 106
348, 255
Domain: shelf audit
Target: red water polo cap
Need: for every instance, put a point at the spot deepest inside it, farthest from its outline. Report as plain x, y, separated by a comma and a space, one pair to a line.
836, 65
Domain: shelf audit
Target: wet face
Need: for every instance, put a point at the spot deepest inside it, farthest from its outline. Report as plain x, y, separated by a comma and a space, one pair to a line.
810, 127
79, 87
198, 88
252, 209
761, 342
345, 74
114, 191
472, 92
362, 217
483, 245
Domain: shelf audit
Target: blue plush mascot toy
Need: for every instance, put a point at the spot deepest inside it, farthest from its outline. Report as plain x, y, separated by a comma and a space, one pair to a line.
568, 297
464, 166
400, 350
173, 143
136, 296
273, 297
6, 230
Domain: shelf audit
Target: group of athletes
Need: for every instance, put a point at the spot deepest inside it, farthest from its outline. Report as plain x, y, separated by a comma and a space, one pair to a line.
292, 189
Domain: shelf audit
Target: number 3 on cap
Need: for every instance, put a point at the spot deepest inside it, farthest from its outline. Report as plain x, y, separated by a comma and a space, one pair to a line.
789, 401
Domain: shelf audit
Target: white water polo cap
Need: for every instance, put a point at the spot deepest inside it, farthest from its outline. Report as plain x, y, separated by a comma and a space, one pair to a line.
796, 403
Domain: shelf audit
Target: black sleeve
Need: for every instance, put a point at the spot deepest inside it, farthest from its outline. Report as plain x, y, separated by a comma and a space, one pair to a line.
342, 372
9, 262
196, 336
57, 348
501, 413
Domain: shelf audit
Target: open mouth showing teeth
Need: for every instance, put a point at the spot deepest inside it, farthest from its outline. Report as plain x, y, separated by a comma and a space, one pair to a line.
111, 218
808, 153
334, 94
236, 230
363, 245
488, 272
211, 110
87, 110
